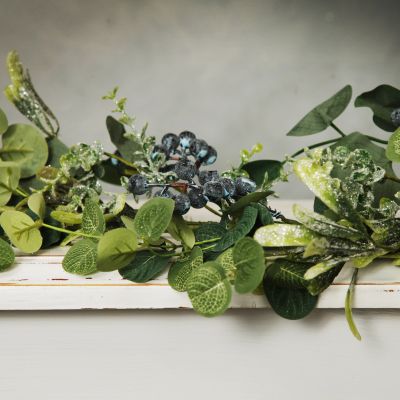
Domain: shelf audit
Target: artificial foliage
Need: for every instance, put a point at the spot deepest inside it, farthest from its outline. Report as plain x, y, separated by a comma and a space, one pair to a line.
52, 195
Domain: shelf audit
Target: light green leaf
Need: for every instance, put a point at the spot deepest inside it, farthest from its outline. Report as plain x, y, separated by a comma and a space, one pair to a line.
7, 255
277, 235
10, 174
364, 261
67, 218
184, 232
393, 147
3, 122
37, 204
153, 218
180, 271
21, 230
128, 222
93, 222
323, 267
319, 118
81, 258
225, 260
209, 290
116, 249
26, 146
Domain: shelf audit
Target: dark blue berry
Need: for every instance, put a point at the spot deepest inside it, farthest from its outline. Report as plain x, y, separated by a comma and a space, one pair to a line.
198, 148
164, 193
182, 204
170, 141
157, 151
395, 116
197, 198
207, 176
185, 170
229, 186
214, 190
137, 184
211, 156
186, 139
244, 186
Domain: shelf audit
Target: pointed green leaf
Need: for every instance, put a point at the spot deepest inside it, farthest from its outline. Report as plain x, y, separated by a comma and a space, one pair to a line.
258, 169
7, 255
393, 147
81, 258
323, 267
37, 204
93, 222
3, 122
10, 174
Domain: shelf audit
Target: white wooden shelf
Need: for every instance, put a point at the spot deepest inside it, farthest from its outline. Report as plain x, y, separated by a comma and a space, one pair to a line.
39, 282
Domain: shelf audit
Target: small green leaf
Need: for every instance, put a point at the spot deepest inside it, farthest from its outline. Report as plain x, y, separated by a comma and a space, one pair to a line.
146, 266
257, 170
393, 147
67, 218
3, 122
209, 290
26, 146
116, 249
9, 179
153, 218
81, 258
21, 230
180, 271
277, 235
225, 260
248, 257
93, 222
37, 204
7, 255
319, 118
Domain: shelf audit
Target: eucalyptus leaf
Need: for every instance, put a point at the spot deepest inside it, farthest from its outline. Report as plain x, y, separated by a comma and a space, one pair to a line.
7, 256
93, 222
278, 235
9, 179
81, 258
258, 169
37, 204
3, 122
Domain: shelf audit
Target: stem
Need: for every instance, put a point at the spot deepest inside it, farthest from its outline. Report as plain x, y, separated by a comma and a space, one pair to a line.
208, 241
21, 192
348, 305
376, 139
337, 129
392, 178
120, 159
313, 146
21, 203
55, 228
213, 211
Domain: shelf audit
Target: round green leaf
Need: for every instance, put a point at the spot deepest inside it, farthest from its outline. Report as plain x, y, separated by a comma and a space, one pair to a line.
10, 174
26, 146
209, 290
37, 204
21, 230
153, 218
81, 258
3, 122
116, 249
248, 257
7, 255
93, 222
393, 147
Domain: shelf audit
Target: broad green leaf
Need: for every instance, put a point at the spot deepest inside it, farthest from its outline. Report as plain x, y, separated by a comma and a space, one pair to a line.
180, 271
241, 229
183, 231
21, 230
37, 204
348, 306
382, 101
248, 257
81, 258
364, 261
116, 249
323, 267
7, 255
208, 232
209, 290
67, 218
323, 225
128, 222
3, 122
246, 200
153, 218
145, 266
319, 118
393, 147
225, 260
26, 146
288, 274
277, 235
321, 282
9, 179
93, 222
258, 169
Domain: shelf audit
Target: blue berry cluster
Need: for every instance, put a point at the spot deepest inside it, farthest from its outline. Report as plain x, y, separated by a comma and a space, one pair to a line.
193, 187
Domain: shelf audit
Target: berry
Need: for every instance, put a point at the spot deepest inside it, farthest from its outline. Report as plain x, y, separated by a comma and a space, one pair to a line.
186, 139
214, 190
185, 170
211, 156
137, 184
198, 148
182, 204
170, 141
157, 151
164, 193
395, 116
197, 198
229, 186
244, 186
207, 176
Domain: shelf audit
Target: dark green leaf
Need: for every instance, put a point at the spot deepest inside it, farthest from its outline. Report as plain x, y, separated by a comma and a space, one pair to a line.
264, 215
209, 231
7, 256
257, 170
112, 173
246, 200
56, 149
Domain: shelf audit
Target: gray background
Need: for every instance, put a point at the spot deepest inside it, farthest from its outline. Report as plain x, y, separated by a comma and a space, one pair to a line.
234, 72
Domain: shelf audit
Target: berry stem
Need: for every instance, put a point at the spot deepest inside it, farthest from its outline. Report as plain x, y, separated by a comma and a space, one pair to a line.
213, 211
339, 131
376, 139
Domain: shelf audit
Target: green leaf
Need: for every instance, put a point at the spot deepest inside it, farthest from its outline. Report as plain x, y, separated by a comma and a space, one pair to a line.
128, 222
393, 147
93, 222
3, 122
116, 249
348, 306
246, 200
248, 257
264, 215
209, 231
183, 231
26, 146
241, 229
56, 149
21, 230
37, 204
153, 218
67, 218
382, 101
180, 271
319, 118
257, 170
9, 179
209, 290
278, 235
323, 267
112, 173
225, 260
145, 266
288, 274
364, 261
321, 282
7, 255
81, 258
